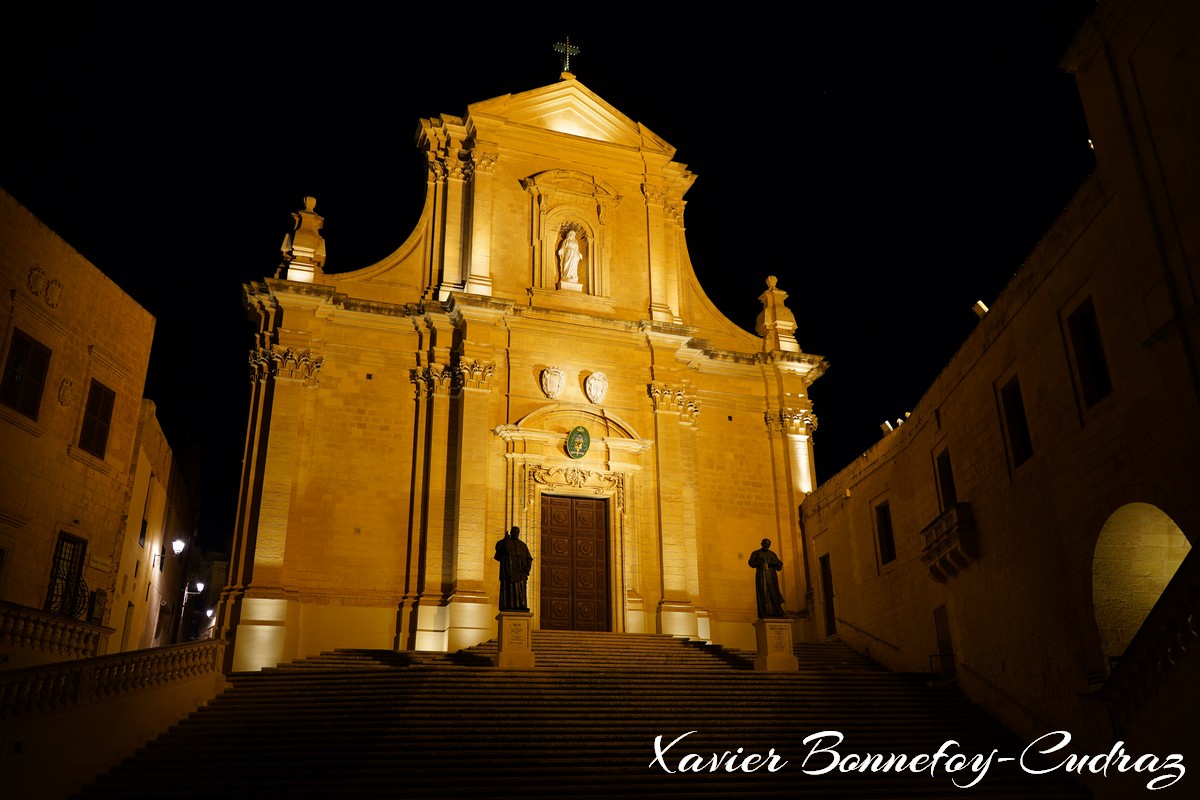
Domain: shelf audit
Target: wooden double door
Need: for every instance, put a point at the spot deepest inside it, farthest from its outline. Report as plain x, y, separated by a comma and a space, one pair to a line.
574, 564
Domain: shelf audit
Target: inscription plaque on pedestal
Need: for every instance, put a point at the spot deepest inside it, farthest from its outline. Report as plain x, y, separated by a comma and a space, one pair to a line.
775, 646
515, 649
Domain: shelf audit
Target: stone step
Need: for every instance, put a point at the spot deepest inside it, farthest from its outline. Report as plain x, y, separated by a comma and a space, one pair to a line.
364, 724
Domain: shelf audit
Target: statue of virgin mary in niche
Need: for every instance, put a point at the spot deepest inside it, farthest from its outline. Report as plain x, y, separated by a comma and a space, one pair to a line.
569, 257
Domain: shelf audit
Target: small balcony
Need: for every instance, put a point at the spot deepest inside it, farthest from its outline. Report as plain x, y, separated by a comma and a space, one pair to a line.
950, 542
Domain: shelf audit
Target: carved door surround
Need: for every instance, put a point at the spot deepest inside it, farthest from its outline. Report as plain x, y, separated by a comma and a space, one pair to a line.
537, 465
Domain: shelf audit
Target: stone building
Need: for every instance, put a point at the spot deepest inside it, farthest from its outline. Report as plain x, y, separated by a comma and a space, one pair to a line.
538, 353
74, 350
1027, 529
147, 604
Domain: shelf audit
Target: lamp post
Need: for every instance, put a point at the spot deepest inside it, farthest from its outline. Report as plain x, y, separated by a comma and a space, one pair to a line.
183, 607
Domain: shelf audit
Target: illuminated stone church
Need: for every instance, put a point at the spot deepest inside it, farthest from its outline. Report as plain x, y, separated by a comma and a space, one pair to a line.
538, 352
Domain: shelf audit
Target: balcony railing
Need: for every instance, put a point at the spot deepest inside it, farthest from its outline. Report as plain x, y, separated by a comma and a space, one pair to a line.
47, 636
950, 542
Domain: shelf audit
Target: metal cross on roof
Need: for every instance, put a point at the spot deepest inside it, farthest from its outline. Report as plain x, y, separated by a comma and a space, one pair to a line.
566, 50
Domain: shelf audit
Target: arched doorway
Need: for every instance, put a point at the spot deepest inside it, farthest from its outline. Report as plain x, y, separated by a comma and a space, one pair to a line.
1137, 553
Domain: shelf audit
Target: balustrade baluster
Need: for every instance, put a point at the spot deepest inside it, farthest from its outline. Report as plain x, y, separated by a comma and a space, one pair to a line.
63, 689
8, 621
35, 631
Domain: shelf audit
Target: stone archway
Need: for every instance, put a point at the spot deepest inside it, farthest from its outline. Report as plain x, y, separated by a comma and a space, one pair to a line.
1137, 553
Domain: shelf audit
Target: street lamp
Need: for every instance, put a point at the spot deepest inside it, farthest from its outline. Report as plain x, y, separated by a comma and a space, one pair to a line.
176, 547
183, 607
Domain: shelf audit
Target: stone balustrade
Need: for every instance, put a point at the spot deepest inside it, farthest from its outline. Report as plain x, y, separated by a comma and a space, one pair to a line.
58, 638
1169, 633
58, 686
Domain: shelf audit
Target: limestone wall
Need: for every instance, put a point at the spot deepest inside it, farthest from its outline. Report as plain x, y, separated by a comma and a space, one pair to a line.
1068, 533
48, 483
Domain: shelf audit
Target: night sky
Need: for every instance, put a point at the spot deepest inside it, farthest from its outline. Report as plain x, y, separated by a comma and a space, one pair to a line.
891, 163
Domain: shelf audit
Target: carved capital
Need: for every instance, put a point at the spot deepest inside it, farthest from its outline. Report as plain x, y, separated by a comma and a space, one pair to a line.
437, 169
440, 379
674, 399
420, 384
437, 379
476, 374
287, 363
484, 161
293, 364
260, 364
654, 194
457, 164
792, 420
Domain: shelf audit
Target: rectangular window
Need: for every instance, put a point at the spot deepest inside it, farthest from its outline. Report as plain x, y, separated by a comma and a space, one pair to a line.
25, 374
97, 416
883, 531
146, 512
1019, 443
1088, 348
67, 594
945, 476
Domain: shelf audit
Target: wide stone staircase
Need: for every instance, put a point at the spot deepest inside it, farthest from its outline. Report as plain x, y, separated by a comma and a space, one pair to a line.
583, 724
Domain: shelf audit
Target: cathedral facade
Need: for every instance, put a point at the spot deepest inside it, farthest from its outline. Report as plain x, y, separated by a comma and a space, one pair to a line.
538, 353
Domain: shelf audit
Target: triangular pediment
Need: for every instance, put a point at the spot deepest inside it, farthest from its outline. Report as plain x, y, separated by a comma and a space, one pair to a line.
568, 107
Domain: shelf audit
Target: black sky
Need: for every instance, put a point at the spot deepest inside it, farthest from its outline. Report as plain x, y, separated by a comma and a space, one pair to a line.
890, 163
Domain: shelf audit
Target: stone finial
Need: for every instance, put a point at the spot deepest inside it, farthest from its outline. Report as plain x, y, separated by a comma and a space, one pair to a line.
776, 324
304, 248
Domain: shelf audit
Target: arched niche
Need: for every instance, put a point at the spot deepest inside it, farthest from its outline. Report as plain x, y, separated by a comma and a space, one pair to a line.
562, 199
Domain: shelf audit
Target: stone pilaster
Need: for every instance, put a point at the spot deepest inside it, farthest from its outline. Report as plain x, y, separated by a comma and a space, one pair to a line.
479, 279
257, 610
664, 289
440, 384
450, 166
470, 607
796, 425
673, 409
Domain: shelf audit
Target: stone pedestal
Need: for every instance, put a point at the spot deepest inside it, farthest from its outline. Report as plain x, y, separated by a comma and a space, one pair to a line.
775, 646
516, 646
